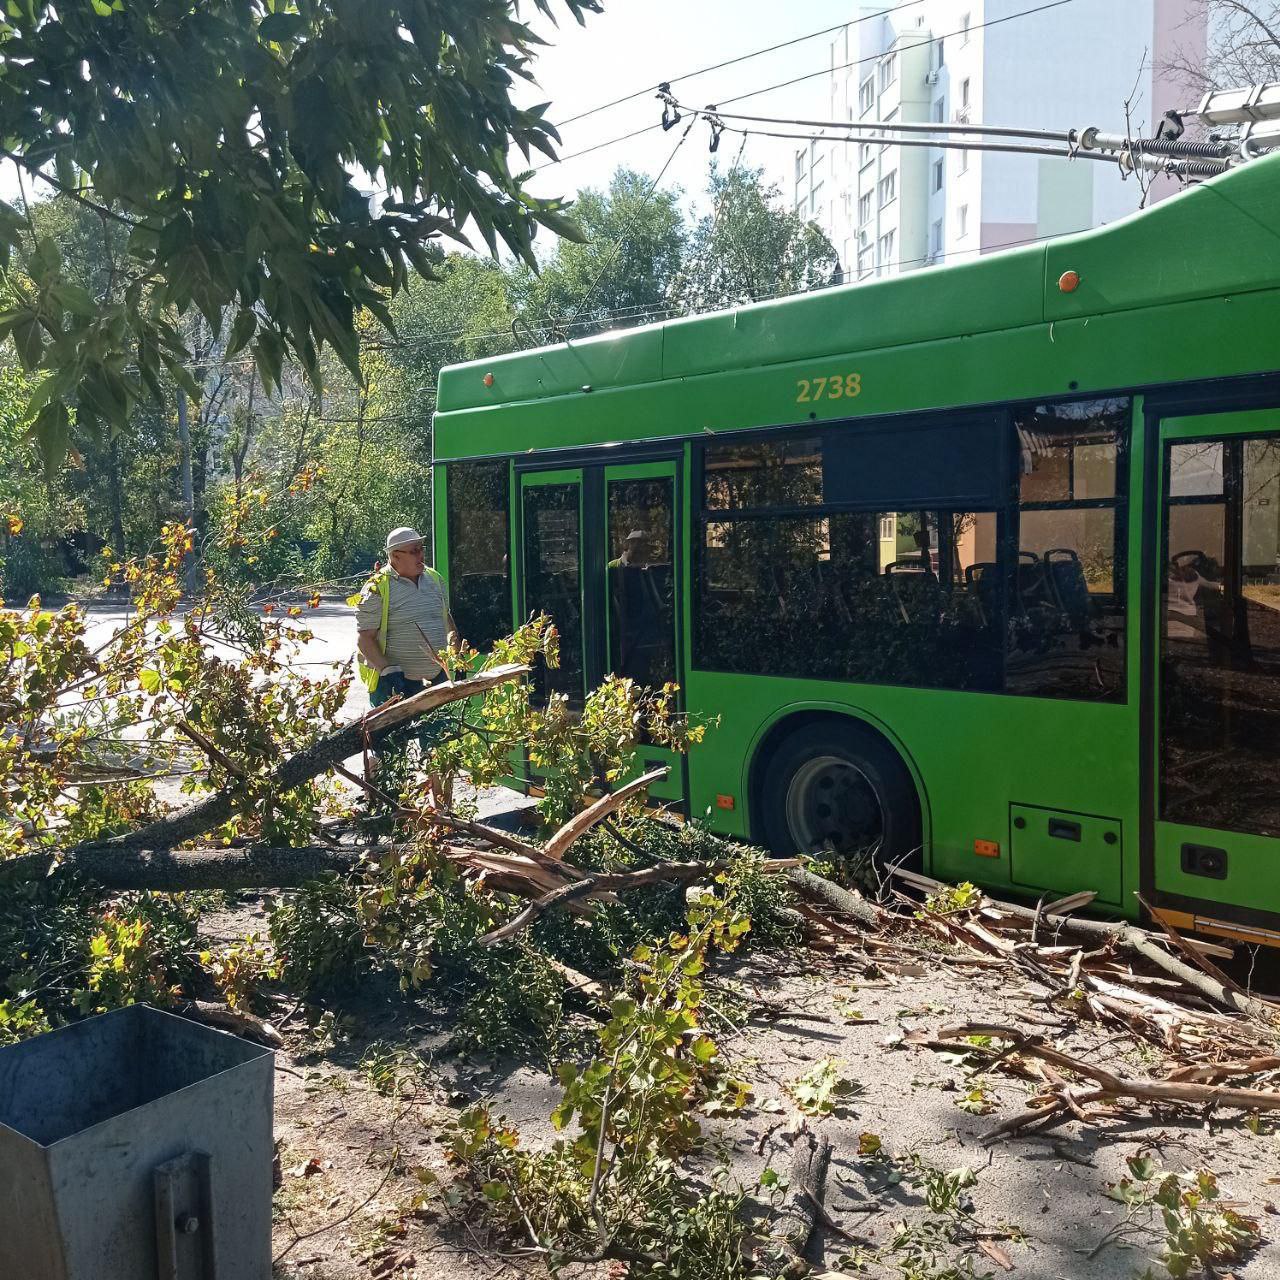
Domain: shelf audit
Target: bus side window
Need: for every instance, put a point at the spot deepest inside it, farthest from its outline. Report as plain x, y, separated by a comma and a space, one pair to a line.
1067, 595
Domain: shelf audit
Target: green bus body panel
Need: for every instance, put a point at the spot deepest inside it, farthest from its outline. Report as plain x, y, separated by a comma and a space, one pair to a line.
979, 297
1064, 754
1186, 291
1222, 238
552, 371
1234, 335
1218, 239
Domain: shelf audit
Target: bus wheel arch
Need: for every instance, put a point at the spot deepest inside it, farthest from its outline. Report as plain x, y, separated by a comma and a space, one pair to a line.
811, 761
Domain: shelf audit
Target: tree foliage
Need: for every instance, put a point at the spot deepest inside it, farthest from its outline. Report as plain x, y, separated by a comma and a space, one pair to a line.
750, 247
621, 275
221, 138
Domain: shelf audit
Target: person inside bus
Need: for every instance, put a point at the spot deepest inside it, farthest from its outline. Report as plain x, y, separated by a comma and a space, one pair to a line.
635, 551
640, 619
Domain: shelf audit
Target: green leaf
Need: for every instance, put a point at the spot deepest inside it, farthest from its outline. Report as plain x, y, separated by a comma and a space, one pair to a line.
28, 341
74, 298
150, 680
278, 27
51, 430
562, 226
241, 331
102, 8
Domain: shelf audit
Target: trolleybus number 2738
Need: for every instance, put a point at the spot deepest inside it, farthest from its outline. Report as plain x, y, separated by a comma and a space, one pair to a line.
843, 386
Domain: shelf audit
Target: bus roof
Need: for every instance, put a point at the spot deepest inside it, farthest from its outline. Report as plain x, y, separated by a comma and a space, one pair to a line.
1221, 237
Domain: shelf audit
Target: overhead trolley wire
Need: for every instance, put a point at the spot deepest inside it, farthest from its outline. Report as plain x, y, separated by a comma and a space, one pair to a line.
732, 62
811, 75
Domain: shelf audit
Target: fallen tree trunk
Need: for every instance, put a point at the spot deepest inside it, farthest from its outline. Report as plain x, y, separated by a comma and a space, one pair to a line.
186, 870
596, 885
152, 846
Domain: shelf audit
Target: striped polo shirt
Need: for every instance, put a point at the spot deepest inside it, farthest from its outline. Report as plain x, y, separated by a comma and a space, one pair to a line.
415, 620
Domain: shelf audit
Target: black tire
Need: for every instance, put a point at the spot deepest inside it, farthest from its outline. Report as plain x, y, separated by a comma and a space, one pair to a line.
847, 790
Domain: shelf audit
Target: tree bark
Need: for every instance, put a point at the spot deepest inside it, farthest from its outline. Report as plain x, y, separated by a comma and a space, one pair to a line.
802, 1203
186, 870
848, 904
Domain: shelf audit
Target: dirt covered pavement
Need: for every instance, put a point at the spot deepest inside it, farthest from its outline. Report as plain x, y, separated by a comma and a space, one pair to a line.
841, 1040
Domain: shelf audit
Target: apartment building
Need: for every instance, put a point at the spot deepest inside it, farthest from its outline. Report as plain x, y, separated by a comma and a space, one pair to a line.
888, 208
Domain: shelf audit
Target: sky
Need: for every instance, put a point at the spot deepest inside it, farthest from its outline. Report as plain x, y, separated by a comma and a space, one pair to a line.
636, 44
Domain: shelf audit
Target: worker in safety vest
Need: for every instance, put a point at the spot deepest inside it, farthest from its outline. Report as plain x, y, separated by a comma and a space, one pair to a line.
403, 622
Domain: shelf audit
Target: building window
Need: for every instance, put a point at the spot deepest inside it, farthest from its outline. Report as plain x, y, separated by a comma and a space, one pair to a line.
938, 166
886, 249
962, 220
888, 71
964, 160
964, 94
964, 28
939, 112
937, 55
866, 153
864, 208
866, 262
867, 95
799, 165
935, 238
888, 188
888, 526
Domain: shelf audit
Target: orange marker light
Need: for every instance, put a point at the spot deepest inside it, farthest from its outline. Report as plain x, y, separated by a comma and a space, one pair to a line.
987, 848
488, 379
724, 802
1069, 281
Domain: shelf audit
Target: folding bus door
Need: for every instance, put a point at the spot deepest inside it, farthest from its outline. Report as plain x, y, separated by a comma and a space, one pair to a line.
551, 575
1216, 846
639, 614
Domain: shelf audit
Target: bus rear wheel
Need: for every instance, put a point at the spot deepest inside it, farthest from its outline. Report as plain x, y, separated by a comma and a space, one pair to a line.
840, 790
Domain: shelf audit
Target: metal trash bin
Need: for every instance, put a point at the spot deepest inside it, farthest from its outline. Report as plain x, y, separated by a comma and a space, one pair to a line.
135, 1146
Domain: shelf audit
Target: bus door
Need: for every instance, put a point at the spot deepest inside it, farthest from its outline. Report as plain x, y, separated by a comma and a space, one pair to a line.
599, 553
637, 610
1216, 846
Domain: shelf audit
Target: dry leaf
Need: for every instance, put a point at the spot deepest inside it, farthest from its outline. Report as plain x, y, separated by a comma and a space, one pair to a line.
996, 1254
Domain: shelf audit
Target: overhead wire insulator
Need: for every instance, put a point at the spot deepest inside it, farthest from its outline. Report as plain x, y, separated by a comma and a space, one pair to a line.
717, 125
670, 110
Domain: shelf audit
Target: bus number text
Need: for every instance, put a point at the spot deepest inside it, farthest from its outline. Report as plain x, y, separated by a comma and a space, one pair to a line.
844, 386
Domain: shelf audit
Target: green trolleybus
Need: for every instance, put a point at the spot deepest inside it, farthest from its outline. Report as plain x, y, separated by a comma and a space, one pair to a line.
981, 562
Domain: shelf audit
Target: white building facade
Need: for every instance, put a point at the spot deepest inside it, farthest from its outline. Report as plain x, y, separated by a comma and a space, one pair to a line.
888, 209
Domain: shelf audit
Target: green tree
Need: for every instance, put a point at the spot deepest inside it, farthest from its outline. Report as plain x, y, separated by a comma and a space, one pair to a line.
751, 247
223, 137
621, 276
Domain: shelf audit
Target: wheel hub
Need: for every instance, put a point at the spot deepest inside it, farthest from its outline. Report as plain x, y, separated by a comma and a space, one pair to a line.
831, 806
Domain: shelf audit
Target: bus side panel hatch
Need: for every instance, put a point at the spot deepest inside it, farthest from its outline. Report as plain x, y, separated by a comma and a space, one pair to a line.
1065, 852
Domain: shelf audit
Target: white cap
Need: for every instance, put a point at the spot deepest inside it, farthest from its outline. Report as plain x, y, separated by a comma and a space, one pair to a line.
401, 537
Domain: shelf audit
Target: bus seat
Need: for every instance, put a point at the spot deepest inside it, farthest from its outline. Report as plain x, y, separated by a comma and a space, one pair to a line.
1066, 579
982, 586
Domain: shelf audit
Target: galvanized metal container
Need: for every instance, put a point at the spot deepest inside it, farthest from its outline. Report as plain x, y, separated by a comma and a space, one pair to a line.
135, 1145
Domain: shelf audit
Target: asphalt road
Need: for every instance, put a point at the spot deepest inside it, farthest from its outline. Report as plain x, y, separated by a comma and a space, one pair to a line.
333, 640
